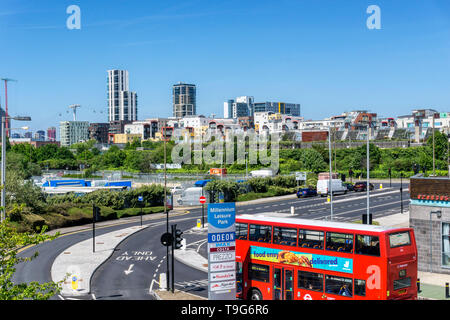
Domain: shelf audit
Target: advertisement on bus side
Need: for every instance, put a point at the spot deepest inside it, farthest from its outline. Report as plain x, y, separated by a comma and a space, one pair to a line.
313, 261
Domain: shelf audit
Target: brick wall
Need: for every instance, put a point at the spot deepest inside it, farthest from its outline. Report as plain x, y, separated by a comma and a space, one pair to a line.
419, 220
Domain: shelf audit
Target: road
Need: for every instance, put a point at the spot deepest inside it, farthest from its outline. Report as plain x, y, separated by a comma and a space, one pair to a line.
137, 261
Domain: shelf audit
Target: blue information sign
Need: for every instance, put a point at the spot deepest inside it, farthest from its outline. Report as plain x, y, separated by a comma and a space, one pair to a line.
221, 236
222, 215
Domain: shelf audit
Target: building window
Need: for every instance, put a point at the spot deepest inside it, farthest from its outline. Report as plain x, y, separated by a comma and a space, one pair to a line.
446, 245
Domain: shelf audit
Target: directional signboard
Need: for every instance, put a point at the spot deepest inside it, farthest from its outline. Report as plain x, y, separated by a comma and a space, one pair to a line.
300, 176
221, 251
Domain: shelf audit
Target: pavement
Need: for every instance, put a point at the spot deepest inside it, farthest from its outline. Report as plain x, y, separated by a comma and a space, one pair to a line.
76, 265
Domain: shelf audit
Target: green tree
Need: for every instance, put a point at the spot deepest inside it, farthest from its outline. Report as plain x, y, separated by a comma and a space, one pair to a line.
10, 243
22, 191
440, 145
312, 160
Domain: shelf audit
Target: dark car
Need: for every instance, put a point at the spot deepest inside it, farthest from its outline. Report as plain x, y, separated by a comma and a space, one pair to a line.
306, 192
362, 186
349, 186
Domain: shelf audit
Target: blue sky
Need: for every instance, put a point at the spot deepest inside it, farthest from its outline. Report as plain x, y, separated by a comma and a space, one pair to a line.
318, 53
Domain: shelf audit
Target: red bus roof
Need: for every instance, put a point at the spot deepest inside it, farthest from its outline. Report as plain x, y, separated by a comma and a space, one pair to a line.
267, 218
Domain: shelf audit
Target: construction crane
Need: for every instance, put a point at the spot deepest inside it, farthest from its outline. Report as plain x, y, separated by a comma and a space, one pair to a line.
6, 80
74, 107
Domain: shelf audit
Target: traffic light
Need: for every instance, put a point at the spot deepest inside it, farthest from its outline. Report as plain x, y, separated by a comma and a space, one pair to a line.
178, 238
96, 214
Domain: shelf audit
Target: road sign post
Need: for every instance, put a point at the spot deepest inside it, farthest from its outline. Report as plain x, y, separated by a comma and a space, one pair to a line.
202, 200
173, 258
141, 200
221, 251
95, 217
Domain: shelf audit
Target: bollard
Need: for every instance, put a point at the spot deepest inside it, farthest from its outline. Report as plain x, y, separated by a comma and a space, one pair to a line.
163, 282
74, 282
447, 293
199, 223
381, 186
418, 286
292, 210
328, 199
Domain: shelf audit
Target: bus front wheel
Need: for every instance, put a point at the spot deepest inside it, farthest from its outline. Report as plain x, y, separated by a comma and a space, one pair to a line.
255, 294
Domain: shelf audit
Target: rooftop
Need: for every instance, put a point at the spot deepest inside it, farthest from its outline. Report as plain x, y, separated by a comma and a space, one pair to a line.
270, 217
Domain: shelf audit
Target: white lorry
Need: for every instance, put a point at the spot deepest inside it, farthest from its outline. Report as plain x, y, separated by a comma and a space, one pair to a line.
337, 187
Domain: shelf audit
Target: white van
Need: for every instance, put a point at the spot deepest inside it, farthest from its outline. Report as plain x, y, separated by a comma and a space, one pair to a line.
337, 186
261, 173
191, 196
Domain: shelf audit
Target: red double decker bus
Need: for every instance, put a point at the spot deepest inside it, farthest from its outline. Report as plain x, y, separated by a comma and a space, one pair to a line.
299, 259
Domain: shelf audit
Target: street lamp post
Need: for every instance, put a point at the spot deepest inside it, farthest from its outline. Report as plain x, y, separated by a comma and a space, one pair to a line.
330, 177
448, 151
401, 192
3, 163
434, 157
165, 205
368, 177
3, 169
438, 214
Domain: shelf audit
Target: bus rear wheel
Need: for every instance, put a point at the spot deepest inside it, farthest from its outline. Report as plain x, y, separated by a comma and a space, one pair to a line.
255, 294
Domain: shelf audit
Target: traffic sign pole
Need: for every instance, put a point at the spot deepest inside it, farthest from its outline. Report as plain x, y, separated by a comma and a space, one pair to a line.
202, 200
141, 199
174, 226
93, 228
203, 215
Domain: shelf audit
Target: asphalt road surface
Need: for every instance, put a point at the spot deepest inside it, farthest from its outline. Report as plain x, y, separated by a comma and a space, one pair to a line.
140, 258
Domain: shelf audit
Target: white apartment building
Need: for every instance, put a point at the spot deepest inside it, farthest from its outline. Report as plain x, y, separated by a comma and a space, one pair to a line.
271, 122
122, 103
71, 132
408, 121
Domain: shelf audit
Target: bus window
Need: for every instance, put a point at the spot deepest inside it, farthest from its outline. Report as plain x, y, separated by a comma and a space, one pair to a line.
241, 231
310, 239
338, 285
399, 239
369, 245
260, 233
341, 242
239, 279
310, 281
360, 288
285, 236
258, 272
